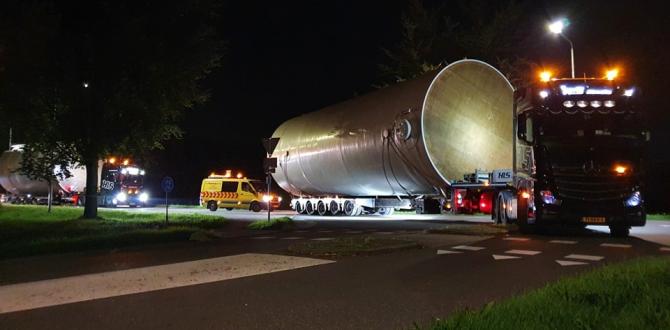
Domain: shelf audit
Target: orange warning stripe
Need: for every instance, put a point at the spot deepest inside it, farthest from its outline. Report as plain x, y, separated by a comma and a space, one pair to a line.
219, 195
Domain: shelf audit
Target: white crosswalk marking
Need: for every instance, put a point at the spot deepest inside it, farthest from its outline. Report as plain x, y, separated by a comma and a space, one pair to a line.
570, 263
447, 252
584, 257
263, 237
558, 241
625, 246
323, 239
520, 239
503, 257
468, 248
524, 252
31, 295
291, 238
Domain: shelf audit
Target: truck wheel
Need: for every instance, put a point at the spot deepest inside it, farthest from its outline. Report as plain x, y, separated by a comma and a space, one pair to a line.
619, 231
321, 208
212, 206
501, 212
298, 207
256, 207
229, 208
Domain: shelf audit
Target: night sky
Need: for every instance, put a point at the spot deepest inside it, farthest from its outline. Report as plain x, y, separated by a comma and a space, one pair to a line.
287, 58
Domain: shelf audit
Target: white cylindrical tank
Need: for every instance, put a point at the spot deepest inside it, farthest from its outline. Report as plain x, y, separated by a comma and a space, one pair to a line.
413, 138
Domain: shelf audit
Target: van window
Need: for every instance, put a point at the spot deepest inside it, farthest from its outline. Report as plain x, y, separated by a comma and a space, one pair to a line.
247, 187
229, 187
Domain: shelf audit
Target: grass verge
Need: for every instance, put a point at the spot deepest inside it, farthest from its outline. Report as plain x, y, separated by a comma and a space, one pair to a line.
349, 246
658, 216
30, 230
630, 295
276, 224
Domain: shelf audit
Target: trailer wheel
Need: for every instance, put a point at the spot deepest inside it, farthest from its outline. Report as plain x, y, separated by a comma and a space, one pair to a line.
309, 208
334, 207
298, 207
350, 208
321, 208
255, 206
384, 211
212, 206
501, 212
619, 231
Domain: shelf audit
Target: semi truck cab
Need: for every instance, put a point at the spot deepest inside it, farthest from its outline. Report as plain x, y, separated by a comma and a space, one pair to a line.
580, 155
122, 183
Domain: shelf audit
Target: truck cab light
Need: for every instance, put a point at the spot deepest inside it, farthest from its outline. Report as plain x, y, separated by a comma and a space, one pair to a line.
609, 103
620, 169
568, 104
611, 74
544, 94
582, 104
629, 92
545, 76
596, 104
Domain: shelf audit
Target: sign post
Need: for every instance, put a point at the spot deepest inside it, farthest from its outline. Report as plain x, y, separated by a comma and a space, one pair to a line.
168, 185
269, 164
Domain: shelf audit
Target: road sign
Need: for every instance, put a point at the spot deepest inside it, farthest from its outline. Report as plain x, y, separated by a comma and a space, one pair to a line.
270, 145
167, 184
270, 164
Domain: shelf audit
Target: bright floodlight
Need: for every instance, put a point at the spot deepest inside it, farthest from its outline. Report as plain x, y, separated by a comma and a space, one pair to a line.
556, 27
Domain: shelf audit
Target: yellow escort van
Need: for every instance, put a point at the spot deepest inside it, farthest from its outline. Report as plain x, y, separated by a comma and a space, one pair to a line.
223, 191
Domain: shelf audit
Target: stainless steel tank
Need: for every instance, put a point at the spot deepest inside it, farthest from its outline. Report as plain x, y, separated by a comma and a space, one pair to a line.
16, 183
412, 138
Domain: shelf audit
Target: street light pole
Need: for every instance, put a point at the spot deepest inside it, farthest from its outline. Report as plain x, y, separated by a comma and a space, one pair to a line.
572, 54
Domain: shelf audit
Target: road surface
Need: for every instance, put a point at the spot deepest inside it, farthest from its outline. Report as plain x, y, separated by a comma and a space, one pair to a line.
250, 281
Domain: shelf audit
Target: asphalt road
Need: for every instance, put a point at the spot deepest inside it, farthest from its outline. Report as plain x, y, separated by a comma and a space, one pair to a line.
377, 292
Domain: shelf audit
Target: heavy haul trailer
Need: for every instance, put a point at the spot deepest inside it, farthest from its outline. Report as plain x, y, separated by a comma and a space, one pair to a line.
121, 183
399, 147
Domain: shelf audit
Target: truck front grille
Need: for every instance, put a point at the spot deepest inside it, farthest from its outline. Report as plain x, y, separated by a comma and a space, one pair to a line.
597, 185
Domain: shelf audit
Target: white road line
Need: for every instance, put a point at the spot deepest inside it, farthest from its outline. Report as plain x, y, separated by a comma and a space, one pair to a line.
584, 257
570, 263
665, 249
503, 257
468, 248
292, 237
524, 252
447, 252
263, 237
323, 239
558, 241
665, 225
521, 239
31, 295
625, 246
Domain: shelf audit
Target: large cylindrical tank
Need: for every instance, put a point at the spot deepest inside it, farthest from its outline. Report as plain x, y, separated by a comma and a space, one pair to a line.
16, 183
412, 138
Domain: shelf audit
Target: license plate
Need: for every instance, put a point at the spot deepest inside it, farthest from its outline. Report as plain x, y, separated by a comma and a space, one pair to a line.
594, 219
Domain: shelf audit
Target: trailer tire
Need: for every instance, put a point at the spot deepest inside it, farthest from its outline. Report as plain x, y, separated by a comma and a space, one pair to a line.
321, 208
309, 208
298, 208
334, 207
384, 211
349, 208
619, 231
212, 206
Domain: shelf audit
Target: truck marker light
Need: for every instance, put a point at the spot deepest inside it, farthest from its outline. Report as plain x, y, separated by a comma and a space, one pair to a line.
126, 162
582, 104
596, 104
544, 94
545, 76
239, 175
525, 195
612, 74
267, 198
112, 160
620, 169
569, 104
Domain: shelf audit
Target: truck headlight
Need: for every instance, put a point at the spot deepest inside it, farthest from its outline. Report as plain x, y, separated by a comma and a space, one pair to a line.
267, 198
144, 197
548, 197
634, 200
279, 199
121, 197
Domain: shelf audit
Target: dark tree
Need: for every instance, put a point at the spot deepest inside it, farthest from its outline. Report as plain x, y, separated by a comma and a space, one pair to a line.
104, 76
496, 33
